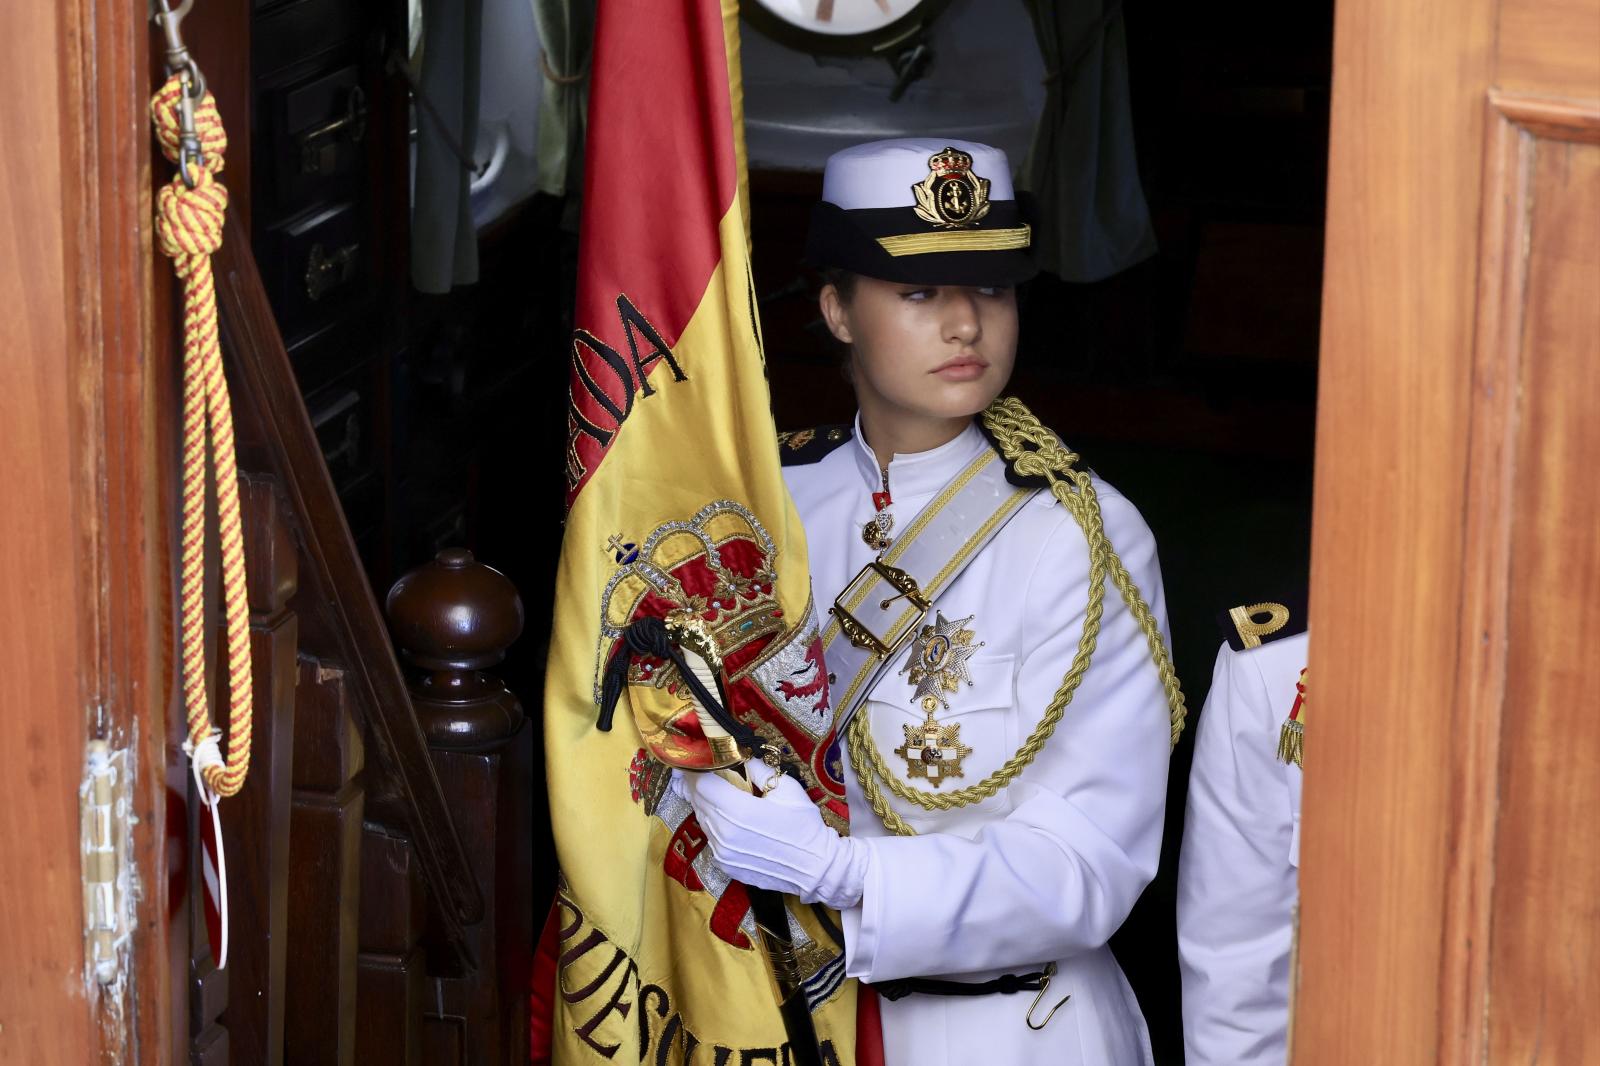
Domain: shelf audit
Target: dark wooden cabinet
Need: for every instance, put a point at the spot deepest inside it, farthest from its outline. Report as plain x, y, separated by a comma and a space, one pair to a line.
329, 168
414, 399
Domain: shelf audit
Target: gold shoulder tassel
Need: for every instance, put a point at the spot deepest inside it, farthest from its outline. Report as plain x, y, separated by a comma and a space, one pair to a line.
1291, 742
1292, 737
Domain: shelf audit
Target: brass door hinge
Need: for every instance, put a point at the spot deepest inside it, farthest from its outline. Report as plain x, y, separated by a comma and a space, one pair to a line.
106, 823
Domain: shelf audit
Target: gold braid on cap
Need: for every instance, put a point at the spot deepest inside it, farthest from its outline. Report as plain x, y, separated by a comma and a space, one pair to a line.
1032, 451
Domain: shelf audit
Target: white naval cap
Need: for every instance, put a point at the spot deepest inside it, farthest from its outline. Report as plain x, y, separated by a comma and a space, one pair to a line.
883, 173
921, 210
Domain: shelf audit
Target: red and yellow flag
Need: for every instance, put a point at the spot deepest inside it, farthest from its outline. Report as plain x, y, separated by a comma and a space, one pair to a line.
676, 505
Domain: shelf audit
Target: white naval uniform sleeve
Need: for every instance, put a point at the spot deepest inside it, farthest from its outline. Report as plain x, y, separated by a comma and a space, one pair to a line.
1236, 881
1059, 873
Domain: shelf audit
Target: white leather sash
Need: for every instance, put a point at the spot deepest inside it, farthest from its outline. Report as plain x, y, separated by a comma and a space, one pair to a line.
872, 620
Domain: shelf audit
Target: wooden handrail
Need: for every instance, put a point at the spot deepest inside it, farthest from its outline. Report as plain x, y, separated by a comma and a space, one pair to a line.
275, 437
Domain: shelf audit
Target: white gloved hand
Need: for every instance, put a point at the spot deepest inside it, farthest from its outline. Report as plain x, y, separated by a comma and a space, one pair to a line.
778, 841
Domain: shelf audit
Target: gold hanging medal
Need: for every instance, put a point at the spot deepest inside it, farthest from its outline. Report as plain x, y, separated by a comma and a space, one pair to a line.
936, 667
933, 751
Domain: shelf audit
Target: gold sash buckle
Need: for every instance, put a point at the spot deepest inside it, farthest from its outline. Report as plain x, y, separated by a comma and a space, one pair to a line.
859, 633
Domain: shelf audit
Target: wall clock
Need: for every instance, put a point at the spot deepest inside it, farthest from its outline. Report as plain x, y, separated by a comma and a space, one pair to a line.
843, 27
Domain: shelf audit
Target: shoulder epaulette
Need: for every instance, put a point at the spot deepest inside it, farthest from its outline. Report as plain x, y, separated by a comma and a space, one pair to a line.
1251, 625
803, 446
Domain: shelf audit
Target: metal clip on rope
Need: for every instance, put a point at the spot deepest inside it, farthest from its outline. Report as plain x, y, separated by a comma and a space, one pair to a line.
180, 62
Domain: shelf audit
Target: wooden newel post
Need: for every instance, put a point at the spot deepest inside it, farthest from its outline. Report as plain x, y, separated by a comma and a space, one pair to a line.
453, 618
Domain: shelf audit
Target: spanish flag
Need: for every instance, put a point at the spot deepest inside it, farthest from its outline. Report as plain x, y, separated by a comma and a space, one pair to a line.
677, 514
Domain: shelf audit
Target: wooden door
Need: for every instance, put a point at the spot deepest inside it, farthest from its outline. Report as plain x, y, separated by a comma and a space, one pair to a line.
81, 531
1450, 885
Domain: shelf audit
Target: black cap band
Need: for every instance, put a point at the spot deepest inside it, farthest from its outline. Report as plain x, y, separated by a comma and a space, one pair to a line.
895, 244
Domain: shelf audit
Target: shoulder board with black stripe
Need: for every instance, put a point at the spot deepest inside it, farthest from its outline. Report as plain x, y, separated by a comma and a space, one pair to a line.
803, 446
1251, 625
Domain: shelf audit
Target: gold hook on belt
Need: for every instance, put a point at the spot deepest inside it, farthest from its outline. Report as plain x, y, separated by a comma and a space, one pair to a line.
180, 62
1049, 972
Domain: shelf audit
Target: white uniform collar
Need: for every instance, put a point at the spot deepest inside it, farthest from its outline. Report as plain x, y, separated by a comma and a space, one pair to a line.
919, 473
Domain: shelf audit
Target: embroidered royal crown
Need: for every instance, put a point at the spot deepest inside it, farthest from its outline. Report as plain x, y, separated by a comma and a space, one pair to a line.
950, 163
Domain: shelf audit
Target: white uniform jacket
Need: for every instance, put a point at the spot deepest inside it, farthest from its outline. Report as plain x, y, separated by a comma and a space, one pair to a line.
1050, 867
1238, 871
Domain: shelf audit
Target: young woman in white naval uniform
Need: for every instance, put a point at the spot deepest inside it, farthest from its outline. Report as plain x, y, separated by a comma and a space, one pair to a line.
1030, 873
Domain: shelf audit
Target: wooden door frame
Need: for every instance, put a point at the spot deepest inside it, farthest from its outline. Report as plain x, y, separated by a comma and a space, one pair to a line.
1394, 407
1436, 105
99, 660
123, 337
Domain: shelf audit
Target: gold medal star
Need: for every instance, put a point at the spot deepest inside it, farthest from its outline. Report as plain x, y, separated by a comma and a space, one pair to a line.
933, 752
938, 661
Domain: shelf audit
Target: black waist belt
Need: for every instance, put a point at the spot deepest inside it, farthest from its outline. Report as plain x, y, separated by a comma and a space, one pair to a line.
1006, 984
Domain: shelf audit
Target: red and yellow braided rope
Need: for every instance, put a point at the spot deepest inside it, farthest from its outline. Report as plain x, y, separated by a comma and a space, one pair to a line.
189, 228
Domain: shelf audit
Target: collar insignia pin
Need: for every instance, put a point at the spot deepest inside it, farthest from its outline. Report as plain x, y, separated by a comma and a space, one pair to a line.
876, 531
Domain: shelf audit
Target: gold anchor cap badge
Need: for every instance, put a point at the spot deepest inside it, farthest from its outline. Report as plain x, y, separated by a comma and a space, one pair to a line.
951, 196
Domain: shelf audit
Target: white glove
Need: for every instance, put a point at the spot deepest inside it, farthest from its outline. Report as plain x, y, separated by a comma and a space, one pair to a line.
778, 841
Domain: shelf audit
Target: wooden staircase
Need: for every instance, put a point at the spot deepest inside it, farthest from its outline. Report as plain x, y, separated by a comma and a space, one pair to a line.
380, 854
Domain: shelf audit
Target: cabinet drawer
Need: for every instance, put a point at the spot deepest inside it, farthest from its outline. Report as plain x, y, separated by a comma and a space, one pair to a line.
315, 267
341, 420
313, 142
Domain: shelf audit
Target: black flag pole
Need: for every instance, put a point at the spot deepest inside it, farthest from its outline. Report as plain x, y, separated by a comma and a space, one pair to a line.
772, 920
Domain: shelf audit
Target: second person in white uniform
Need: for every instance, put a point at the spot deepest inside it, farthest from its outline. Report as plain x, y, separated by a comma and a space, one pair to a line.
1238, 876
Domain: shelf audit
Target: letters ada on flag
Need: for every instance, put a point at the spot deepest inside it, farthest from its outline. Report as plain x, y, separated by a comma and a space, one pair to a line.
675, 504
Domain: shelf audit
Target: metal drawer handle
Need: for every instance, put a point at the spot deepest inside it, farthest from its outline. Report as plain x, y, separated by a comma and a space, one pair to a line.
319, 145
325, 272
342, 415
